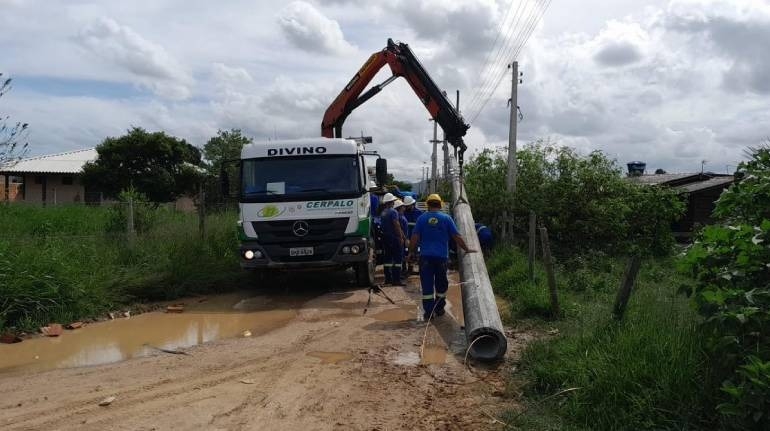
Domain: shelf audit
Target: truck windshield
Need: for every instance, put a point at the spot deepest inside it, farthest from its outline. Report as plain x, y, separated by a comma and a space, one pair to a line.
300, 178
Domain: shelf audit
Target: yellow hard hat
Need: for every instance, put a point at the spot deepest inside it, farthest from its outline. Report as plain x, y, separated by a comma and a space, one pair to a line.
434, 197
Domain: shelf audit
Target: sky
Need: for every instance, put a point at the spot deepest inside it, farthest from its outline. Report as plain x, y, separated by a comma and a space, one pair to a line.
668, 82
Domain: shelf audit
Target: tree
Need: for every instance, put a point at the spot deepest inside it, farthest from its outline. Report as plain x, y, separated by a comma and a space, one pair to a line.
10, 149
160, 166
227, 145
218, 151
583, 200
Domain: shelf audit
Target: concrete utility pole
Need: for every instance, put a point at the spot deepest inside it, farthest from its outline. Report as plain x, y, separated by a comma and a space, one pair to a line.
446, 147
434, 159
512, 166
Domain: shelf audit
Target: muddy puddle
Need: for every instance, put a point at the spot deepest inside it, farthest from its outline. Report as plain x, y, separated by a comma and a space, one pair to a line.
331, 357
203, 321
433, 355
396, 314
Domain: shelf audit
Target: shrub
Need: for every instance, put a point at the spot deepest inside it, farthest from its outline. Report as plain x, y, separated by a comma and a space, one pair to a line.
731, 266
582, 200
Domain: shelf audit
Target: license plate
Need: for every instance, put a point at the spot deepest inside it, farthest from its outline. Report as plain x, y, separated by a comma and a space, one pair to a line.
301, 251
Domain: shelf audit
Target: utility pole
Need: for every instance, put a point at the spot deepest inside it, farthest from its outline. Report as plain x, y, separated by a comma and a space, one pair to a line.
512, 167
446, 147
434, 159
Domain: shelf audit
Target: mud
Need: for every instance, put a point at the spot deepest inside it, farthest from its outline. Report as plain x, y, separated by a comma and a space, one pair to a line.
106, 342
402, 314
331, 357
313, 361
433, 355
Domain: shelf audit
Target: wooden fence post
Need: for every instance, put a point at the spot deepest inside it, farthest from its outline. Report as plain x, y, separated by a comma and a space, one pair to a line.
130, 232
202, 212
626, 285
548, 262
532, 245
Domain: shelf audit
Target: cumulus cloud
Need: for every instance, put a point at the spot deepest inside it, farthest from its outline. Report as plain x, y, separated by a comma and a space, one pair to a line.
310, 30
618, 54
740, 34
149, 63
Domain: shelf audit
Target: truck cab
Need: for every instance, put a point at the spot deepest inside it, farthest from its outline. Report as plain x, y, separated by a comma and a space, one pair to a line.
306, 204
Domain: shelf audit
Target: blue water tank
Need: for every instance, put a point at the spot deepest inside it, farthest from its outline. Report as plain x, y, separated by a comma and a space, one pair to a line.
636, 169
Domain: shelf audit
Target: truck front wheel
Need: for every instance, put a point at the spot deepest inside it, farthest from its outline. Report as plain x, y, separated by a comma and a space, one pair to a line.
365, 270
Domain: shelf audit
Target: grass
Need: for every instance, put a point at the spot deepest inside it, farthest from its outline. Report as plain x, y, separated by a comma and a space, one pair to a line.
66, 263
644, 372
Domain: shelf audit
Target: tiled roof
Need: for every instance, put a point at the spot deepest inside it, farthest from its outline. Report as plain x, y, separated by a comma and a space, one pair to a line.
71, 162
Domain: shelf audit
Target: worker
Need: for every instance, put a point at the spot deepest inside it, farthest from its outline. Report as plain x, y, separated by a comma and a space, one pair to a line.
374, 200
394, 240
400, 207
486, 239
432, 233
411, 213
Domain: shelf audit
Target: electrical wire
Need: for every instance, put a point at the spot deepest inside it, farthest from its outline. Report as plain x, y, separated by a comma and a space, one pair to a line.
500, 60
488, 60
527, 34
493, 80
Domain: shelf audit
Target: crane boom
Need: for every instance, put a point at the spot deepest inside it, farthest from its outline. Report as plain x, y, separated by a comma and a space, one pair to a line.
402, 62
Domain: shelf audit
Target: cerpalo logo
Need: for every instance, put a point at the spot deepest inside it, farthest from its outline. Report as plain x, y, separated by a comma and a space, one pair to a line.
295, 151
270, 211
327, 205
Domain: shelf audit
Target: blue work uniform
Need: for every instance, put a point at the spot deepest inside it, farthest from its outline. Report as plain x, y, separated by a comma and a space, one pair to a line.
486, 240
435, 229
392, 247
404, 227
411, 218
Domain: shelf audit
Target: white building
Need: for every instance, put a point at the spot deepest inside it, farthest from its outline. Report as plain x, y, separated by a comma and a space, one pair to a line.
50, 179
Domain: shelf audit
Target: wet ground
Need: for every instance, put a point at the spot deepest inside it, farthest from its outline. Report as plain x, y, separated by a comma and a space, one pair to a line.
294, 353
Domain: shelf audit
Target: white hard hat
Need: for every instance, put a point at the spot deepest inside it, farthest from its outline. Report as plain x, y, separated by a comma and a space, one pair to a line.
398, 203
372, 185
388, 198
409, 201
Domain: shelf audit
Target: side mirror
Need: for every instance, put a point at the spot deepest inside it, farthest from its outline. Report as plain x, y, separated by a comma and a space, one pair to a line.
382, 171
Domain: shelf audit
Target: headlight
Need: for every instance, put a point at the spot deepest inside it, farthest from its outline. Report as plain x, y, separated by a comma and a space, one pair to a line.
355, 249
258, 254
248, 254
346, 250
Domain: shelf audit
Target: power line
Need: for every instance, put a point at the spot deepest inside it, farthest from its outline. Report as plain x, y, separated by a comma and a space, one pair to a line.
528, 33
503, 54
488, 60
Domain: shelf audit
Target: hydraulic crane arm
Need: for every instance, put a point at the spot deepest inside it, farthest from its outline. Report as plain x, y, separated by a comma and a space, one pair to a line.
402, 62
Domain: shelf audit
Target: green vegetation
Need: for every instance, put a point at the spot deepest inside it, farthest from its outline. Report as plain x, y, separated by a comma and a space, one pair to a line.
672, 362
583, 200
158, 165
643, 372
10, 149
70, 262
731, 264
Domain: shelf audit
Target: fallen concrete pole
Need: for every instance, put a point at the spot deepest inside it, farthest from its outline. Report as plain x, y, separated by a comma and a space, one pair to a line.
483, 326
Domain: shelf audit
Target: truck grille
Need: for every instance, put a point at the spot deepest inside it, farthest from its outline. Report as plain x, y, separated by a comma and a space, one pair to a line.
280, 231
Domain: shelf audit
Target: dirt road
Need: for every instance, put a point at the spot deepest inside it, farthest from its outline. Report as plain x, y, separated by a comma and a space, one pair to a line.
317, 364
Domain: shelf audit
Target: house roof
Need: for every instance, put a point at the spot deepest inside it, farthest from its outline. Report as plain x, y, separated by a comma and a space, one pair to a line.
707, 184
71, 162
665, 179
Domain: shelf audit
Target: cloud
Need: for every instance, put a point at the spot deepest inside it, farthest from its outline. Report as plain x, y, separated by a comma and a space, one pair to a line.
618, 54
310, 30
148, 62
739, 34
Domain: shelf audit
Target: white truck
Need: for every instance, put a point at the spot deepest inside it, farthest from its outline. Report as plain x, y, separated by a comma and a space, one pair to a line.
306, 204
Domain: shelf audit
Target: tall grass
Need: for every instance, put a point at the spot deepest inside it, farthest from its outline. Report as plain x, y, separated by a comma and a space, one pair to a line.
61, 263
644, 372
